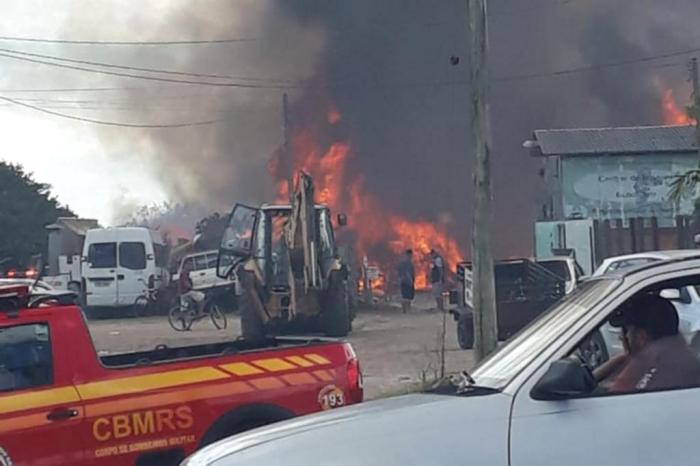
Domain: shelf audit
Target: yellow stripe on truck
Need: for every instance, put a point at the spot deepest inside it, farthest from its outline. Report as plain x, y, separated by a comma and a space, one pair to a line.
317, 358
241, 369
274, 364
143, 383
38, 399
299, 361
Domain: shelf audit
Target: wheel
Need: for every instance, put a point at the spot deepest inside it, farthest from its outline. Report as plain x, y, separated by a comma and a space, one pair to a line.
180, 319
593, 350
218, 317
141, 306
335, 319
252, 326
465, 331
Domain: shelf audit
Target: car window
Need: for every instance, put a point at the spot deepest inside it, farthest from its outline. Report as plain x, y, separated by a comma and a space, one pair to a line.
25, 357
132, 256
211, 261
498, 369
649, 343
102, 255
161, 253
200, 262
188, 261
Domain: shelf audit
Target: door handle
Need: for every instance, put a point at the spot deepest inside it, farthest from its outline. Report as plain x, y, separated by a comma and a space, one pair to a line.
61, 414
120, 277
201, 274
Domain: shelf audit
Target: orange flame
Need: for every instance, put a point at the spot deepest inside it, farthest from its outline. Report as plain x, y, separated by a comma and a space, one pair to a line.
372, 226
333, 115
673, 115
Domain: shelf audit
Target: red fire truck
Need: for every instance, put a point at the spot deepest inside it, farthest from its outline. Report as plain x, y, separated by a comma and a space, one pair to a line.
60, 403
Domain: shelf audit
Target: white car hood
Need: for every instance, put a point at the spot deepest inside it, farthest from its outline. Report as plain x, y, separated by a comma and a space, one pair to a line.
411, 430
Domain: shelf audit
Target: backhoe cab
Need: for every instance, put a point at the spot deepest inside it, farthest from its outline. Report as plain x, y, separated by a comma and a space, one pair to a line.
291, 277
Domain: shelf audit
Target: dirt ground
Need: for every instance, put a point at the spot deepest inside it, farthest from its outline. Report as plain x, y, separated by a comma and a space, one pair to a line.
396, 351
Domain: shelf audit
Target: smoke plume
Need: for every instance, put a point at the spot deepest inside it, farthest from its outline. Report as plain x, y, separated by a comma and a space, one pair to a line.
385, 65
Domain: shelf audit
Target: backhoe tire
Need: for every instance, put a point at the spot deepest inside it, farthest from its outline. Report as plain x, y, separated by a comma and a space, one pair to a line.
252, 326
335, 317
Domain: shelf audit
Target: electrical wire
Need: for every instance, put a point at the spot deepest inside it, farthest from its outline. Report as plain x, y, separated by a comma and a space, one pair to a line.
597, 67
111, 123
101, 42
504, 79
136, 68
150, 78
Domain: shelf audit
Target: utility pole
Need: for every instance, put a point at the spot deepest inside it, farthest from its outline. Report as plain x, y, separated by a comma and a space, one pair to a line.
695, 79
288, 164
484, 288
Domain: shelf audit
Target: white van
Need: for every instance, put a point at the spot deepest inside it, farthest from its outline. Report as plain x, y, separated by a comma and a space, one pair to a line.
120, 264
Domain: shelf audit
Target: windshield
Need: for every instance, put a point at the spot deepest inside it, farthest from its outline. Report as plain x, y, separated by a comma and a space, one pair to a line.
503, 365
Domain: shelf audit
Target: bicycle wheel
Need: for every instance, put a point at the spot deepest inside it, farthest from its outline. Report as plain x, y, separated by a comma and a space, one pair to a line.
179, 319
140, 306
217, 316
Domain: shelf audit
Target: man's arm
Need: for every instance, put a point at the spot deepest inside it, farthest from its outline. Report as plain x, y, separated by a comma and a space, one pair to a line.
610, 367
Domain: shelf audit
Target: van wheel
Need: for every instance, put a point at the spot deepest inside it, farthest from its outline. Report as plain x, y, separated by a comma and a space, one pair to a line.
465, 331
335, 318
252, 326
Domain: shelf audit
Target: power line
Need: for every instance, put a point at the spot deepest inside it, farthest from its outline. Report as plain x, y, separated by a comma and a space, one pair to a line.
110, 123
150, 78
136, 68
101, 42
534, 8
596, 67
66, 89
523, 77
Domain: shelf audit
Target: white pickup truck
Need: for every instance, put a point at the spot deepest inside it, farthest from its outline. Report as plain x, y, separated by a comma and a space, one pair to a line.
533, 402
203, 271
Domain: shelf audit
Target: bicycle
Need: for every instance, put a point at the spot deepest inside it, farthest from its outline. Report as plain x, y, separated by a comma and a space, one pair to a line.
184, 314
147, 301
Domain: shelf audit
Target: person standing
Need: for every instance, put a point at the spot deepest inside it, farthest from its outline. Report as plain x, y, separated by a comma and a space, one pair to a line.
407, 280
437, 278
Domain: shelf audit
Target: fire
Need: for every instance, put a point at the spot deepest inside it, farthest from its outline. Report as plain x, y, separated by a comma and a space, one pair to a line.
673, 115
376, 233
333, 115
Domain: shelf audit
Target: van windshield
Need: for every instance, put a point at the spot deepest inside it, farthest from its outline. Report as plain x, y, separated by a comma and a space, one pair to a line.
503, 365
102, 255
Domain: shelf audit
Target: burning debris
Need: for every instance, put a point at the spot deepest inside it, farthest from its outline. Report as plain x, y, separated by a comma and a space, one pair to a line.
374, 230
673, 115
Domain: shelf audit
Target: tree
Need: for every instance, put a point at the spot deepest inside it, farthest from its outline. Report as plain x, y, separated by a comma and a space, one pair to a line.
26, 207
686, 185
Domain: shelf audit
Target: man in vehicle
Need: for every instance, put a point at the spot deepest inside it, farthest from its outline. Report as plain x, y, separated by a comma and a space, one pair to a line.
186, 291
656, 355
407, 278
437, 278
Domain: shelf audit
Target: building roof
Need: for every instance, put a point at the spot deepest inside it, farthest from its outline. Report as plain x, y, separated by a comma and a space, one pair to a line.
635, 140
79, 226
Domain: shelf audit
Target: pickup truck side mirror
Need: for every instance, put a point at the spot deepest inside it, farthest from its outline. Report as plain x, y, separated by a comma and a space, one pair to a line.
565, 379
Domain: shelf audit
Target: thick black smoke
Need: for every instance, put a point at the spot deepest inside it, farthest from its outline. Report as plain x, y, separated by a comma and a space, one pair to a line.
405, 107
409, 121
